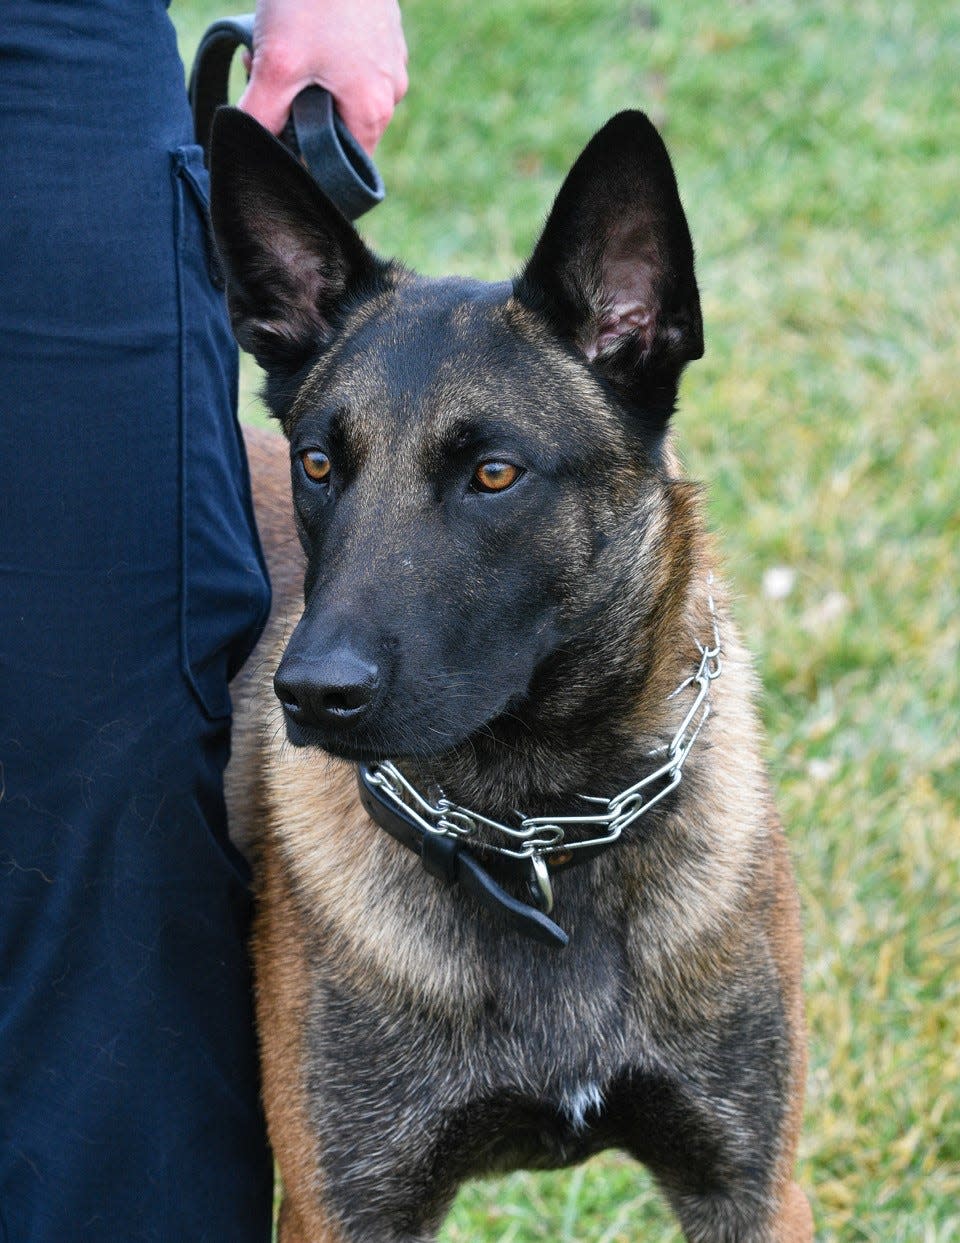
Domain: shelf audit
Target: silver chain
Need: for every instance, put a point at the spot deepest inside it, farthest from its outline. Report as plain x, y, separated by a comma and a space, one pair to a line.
538, 837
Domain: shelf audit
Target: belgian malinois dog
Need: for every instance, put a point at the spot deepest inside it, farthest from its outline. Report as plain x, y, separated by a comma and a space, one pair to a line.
523, 894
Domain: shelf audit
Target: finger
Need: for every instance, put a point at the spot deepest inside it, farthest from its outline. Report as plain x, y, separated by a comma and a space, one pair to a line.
366, 116
400, 84
270, 106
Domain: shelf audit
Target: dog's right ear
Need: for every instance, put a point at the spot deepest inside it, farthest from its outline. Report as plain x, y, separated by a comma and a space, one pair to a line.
290, 258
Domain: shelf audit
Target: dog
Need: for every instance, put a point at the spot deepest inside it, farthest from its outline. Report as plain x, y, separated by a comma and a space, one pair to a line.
523, 893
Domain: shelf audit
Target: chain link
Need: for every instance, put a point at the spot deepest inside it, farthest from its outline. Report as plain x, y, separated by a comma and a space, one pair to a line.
539, 837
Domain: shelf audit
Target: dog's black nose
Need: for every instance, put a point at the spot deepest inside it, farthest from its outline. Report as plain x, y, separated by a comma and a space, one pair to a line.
336, 689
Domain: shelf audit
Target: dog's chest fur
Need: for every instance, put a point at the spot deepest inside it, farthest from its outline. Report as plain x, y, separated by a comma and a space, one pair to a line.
526, 1057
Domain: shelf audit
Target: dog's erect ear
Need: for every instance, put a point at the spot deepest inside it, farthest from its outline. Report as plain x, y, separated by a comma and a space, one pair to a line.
613, 270
290, 257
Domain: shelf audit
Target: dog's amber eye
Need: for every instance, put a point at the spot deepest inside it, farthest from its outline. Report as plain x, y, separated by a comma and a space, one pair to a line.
495, 476
316, 464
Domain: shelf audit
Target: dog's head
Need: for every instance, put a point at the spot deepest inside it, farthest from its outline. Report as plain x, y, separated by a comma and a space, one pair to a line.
479, 473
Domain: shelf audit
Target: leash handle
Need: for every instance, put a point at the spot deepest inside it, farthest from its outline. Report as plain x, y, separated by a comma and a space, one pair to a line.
315, 133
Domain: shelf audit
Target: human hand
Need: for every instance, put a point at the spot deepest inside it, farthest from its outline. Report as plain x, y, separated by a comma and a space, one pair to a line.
354, 48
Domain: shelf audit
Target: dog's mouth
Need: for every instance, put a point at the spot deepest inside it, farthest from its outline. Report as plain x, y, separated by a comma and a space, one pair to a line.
344, 748
376, 742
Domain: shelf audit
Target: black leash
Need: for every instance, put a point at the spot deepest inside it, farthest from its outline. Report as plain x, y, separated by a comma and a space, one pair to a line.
450, 861
314, 133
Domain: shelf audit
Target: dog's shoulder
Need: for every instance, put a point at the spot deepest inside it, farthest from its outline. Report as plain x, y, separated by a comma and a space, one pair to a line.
254, 704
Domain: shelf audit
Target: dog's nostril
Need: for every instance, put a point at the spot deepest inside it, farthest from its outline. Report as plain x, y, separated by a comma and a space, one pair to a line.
346, 700
286, 694
351, 686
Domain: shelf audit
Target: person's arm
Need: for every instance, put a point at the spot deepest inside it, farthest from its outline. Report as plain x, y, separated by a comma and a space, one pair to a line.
354, 48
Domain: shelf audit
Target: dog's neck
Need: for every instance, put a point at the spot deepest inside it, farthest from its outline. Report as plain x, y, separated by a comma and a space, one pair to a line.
541, 761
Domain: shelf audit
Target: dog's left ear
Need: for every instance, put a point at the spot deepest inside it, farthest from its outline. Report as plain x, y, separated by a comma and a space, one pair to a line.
613, 271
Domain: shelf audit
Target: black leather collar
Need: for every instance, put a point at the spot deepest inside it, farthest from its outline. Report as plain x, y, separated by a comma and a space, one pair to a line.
450, 861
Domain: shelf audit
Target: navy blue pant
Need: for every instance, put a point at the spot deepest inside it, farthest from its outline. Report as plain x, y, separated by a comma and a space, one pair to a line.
131, 587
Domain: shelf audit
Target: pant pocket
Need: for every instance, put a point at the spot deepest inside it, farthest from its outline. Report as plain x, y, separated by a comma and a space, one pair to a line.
225, 595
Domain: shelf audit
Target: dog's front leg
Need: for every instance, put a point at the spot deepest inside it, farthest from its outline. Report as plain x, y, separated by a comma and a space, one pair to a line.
794, 1222
283, 1000
295, 1228
725, 1157
344, 1164
717, 1218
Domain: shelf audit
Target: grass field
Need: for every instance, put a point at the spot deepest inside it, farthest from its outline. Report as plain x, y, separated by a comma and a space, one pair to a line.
817, 147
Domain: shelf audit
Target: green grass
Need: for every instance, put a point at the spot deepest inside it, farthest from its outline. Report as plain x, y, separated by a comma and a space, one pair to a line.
818, 151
